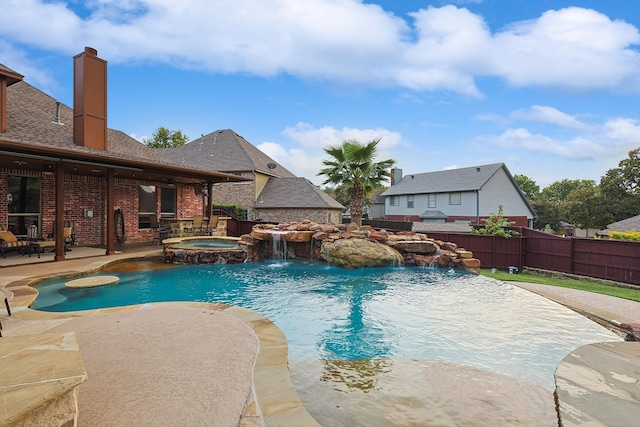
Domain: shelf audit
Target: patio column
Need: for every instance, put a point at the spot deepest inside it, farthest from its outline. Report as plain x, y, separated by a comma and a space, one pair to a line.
209, 198
59, 216
111, 204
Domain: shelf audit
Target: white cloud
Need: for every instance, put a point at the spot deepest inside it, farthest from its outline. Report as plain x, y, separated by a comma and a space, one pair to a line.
550, 115
307, 144
344, 41
611, 139
573, 48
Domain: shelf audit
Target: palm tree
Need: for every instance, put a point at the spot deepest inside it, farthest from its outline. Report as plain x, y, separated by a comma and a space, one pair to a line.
352, 168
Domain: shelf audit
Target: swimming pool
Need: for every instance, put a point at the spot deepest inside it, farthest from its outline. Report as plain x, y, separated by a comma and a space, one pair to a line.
329, 313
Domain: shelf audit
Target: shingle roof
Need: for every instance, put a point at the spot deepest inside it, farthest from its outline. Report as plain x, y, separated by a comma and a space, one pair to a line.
294, 193
628, 224
433, 214
441, 227
225, 151
453, 180
30, 114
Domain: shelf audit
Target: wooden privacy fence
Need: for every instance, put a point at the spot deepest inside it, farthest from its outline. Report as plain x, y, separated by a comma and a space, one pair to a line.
615, 260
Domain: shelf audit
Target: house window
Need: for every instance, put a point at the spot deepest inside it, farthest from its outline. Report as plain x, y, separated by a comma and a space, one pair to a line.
410, 201
431, 203
455, 198
146, 205
394, 200
167, 202
23, 203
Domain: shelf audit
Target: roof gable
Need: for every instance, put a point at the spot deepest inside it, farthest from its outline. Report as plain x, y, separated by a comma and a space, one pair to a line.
225, 151
294, 193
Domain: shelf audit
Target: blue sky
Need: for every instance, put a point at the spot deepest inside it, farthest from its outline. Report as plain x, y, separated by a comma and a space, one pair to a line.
549, 87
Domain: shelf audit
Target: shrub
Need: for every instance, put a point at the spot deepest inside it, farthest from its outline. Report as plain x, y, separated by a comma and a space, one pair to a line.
496, 225
632, 235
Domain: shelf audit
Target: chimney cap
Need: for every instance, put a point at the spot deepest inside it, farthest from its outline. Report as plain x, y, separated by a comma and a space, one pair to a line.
90, 50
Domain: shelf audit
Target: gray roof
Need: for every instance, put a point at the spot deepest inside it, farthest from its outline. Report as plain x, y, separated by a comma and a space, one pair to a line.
225, 151
628, 224
433, 214
453, 180
29, 122
441, 227
294, 193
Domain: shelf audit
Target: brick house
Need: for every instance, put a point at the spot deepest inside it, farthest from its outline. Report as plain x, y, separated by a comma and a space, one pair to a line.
59, 164
465, 195
274, 194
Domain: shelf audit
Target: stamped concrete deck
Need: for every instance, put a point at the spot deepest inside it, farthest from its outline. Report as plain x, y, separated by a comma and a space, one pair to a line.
150, 365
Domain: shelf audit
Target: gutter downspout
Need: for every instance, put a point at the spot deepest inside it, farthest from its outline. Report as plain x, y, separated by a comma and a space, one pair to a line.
478, 207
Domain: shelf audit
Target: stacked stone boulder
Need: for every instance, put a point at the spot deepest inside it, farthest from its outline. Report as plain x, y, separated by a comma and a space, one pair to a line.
351, 246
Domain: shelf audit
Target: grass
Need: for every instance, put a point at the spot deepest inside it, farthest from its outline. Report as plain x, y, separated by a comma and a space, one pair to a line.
583, 285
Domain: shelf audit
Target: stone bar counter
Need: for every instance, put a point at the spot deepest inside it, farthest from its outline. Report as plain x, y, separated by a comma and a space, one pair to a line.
39, 376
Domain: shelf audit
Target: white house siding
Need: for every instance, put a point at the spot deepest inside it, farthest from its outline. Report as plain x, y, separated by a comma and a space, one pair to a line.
467, 206
499, 190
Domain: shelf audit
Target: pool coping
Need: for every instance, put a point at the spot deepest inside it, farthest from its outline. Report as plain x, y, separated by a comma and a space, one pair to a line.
273, 399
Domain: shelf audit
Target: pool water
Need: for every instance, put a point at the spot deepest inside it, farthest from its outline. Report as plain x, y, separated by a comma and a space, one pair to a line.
330, 313
208, 244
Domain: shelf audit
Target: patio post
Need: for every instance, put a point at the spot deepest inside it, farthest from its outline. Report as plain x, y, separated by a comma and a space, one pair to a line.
111, 227
59, 215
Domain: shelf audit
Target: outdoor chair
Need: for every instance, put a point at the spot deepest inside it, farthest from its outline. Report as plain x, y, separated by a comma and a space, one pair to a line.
163, 231
196, 225
69, 235
8, 242
212, 225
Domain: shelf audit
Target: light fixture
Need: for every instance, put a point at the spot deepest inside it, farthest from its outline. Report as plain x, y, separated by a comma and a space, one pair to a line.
47, 170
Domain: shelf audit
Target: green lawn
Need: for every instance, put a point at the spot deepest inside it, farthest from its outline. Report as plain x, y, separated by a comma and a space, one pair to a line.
583, 285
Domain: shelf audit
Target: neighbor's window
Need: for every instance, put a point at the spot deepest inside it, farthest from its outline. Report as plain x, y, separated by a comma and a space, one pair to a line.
410, 201
23, 203
394, 200
168, 202
146, 205
431, 203
455, 198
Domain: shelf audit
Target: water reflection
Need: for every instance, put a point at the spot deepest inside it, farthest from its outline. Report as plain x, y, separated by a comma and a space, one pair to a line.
349, 375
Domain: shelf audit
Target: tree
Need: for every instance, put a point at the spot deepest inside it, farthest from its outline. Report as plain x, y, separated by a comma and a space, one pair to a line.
620, 188
528, 186
165, 138
584, 207
548, 214
352, 168
559, 190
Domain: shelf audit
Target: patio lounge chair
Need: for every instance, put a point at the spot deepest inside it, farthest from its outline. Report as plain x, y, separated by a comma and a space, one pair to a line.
196, 225
163, 231
8, 242
212, 225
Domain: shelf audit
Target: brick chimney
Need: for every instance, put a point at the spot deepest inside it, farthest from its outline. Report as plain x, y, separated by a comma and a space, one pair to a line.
90, 100
7, 78
396, 176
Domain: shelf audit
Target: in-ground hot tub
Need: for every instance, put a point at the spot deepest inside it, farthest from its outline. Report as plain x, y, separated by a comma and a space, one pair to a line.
204, 250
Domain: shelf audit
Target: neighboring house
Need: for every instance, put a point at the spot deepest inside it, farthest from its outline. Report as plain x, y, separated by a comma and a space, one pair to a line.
629, 224
376, 210
60, 165
465, 195
274, 194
